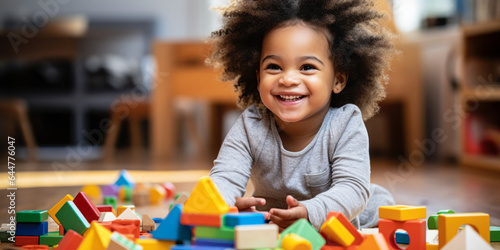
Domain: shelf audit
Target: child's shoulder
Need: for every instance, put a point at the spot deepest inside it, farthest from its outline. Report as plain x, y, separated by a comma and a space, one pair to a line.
346, 112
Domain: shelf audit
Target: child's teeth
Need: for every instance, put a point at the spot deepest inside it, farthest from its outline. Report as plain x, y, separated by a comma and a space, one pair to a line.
290, 97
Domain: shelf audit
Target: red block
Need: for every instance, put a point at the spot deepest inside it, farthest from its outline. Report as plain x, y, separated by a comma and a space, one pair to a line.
208, 220
35, 247
27, 240
358, 238
414, 228
146, 235
87, 207
70, 241
127, 227
170, 190
105, 208
61, 229
106, 224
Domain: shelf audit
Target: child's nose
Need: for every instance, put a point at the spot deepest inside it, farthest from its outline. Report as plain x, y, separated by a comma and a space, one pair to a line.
289, 78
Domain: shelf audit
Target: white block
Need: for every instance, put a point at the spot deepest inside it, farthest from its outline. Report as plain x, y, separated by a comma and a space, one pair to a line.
107, 216
467, 239
256, 236
128, 214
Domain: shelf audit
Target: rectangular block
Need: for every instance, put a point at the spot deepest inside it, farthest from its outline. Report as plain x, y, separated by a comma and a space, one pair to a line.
214, 242
494, 234
154, 244
244, 218
86, 207
105, 208
191, 219
358, 238
52, 212
32, 216
26, 240
256, 236
70, 241
32, 229
402, 212
71, 218
223, 232
50, 239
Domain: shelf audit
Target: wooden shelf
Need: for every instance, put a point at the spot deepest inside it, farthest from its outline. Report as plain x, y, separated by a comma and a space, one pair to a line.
485, 93
483, 28
481, 161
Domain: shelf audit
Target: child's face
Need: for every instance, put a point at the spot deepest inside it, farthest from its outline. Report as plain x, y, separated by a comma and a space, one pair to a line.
296, 75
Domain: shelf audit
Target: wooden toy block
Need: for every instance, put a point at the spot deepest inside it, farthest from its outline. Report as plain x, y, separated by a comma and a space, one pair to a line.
140, 197
256, 236
107, 216
52, 212
105, 208
432, 222
105, 224
61, 230
157, 194
128, 214
445, 211
109, 190
154, 244
402, 238
244, 218
402, 212
304, 229
26, 240
414, 228
180, 198
119, 242
211, 220
133, 225
145, 235
32, 229
125, 193
171, 228
295, 242
96, 238
169, 190
50, 239
110, 200
467, 239
206, 199
431, 246
35, 247
449, 224
334, 230
214, 242
123, 208
93, 192
374, 242
87, 207
34, 216
358, 238
147, 223
125, 179
494, 234
70, 241
71, 218
223, 232
233, 210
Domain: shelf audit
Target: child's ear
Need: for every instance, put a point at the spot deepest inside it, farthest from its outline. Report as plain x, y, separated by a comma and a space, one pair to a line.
339, 82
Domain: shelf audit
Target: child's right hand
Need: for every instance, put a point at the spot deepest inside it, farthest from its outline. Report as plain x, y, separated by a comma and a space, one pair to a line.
247, 204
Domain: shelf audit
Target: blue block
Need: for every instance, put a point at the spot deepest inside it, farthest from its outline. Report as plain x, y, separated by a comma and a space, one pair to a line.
214, 242
194, 247
171, 228
125, 179
402, 238
32, 229
158, 220
244, 218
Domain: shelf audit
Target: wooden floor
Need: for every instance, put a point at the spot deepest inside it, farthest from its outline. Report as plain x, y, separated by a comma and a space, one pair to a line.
436, 186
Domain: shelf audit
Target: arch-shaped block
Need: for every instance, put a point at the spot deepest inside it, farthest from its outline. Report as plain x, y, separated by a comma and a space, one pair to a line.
414, 228
448, 225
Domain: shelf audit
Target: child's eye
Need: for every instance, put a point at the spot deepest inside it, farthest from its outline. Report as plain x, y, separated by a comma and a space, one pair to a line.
308, 67
273, 66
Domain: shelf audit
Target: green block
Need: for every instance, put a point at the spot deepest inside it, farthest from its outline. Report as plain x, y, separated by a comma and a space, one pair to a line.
50, 239
71, 218
33, 216
305, 230
110, 200
5, 235
432, 222
494, 234
447, 211
225, 233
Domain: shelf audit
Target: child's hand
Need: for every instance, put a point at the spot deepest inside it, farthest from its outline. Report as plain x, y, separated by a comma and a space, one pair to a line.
247, 204
285, 217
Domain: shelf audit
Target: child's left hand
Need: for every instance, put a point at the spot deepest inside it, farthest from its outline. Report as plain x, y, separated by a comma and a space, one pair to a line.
285, 217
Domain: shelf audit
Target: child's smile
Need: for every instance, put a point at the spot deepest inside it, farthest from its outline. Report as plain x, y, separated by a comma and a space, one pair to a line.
296, 74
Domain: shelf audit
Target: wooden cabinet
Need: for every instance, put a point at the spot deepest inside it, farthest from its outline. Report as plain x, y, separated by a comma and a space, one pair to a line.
478, 113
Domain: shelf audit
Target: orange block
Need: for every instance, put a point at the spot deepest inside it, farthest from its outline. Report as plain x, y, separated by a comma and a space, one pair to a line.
374, 242
233, 210
339, 247
125, 227
35, 247
210, 220
358, 238
414, 228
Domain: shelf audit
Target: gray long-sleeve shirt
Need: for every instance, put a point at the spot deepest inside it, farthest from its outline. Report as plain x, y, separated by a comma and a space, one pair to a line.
332, 173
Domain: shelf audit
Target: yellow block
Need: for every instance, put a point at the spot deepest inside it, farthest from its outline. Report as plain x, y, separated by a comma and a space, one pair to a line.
295, 242
154, 244
448, 225
431, 246
156, 194
93, 192
402, 212
96, 237
120, 209
57, 206
205, 198
337, 232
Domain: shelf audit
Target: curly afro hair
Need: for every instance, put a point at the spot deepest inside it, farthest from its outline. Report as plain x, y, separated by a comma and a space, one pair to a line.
359, 46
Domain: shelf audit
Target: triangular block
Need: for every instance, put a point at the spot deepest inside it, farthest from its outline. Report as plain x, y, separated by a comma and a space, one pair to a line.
467, 239
125, 179
107, 216
171, 228
128, 214
206, 199
96, 238
147, 223
304, 229
374, 242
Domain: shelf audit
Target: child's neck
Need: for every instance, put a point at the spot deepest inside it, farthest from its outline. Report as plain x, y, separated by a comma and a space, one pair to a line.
295, 136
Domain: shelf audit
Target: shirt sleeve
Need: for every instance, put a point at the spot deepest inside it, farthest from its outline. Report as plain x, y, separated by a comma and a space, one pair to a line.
233, 165
350, 168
